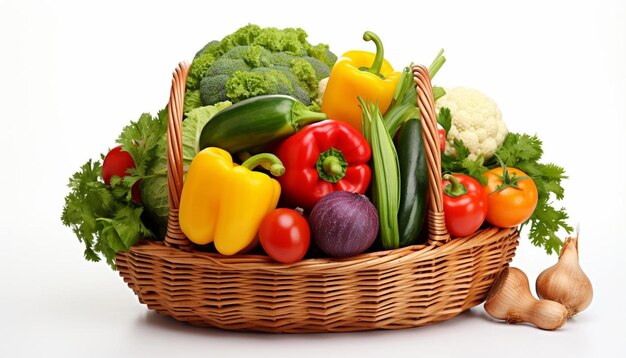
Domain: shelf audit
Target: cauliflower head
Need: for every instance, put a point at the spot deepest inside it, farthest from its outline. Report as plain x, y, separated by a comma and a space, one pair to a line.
476, 121
321, 88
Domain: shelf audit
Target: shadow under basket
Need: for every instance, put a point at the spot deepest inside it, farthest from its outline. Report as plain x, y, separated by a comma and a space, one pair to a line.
407, 287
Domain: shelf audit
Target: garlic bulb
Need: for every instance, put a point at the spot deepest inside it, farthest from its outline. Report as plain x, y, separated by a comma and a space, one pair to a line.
565, 282
510, 299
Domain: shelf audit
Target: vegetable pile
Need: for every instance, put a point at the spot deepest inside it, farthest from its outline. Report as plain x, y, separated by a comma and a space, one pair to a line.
312, 155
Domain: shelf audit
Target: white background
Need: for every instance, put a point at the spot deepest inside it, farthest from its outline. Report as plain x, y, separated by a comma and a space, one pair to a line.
74, 74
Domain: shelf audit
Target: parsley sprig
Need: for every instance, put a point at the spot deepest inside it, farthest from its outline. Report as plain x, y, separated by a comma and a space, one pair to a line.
103, 218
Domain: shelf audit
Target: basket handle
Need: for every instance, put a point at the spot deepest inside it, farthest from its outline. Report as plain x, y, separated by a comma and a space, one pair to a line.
174, 236
437, 233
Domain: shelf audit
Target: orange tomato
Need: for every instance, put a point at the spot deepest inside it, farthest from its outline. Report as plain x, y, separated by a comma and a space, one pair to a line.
511, 196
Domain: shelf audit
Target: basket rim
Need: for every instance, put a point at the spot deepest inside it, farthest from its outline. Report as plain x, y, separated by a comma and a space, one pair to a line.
246, 262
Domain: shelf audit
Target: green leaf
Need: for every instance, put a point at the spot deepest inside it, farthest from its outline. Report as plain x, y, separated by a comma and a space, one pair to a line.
438, 92
444, 118
552, 171
192, 128
519, 147
192, 100
462, 152
88, 198
460, 163
125, 228
475, 169
91, 255
109, 237
547, 177
140, 139
545, 224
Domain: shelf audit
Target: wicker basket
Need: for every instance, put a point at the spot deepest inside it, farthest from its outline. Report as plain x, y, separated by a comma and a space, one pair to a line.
407, 287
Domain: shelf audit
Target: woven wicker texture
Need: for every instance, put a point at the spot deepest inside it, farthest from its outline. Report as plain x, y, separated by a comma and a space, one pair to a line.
407, 287
437, 234
174, 235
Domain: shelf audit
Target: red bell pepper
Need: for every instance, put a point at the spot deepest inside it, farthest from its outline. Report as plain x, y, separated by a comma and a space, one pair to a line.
321, 158
464, 204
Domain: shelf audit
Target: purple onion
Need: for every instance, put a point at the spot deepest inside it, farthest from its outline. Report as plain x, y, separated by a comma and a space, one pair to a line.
344, 223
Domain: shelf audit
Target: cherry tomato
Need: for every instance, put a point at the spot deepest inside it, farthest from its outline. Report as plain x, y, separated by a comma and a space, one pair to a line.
512, 196
116, 163
464, 204
285, 235
442, 138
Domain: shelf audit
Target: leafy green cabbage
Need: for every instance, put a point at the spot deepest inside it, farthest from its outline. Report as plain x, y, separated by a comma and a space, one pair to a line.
154, 186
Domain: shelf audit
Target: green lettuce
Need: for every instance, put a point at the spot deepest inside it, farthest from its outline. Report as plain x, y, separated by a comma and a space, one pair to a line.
154, 186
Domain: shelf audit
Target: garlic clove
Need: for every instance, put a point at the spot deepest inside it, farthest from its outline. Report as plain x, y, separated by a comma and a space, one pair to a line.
565, 282
510, 300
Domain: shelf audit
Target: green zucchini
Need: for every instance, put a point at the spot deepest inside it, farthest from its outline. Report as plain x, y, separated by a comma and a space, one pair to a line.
413, 181
256, 122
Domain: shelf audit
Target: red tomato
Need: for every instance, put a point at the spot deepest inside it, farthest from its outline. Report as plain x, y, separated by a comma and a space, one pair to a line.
464, 204
442, 139
116, 163
285, 235
512, 196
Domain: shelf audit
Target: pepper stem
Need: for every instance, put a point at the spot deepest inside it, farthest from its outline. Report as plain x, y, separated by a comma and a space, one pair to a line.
454, 189
331, 165
380, 53
267, 161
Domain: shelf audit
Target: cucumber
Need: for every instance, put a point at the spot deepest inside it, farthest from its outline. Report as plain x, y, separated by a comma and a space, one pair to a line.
256, 122
413, 182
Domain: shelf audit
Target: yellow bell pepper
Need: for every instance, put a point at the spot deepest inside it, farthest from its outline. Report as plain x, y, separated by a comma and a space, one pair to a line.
224, 203
351, 78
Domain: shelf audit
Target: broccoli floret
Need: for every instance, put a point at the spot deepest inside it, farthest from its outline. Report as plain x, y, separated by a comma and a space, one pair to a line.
211, 47
301, 95
284, 50
285, 71
308, 70
244, 85
305, 74
244, 36
211, 86
253, 55
202, 62
287, 40
281, 59
213, 89
320, 68
265, 80
297, 91
198, 69
227, 66
277, 82
322, 53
